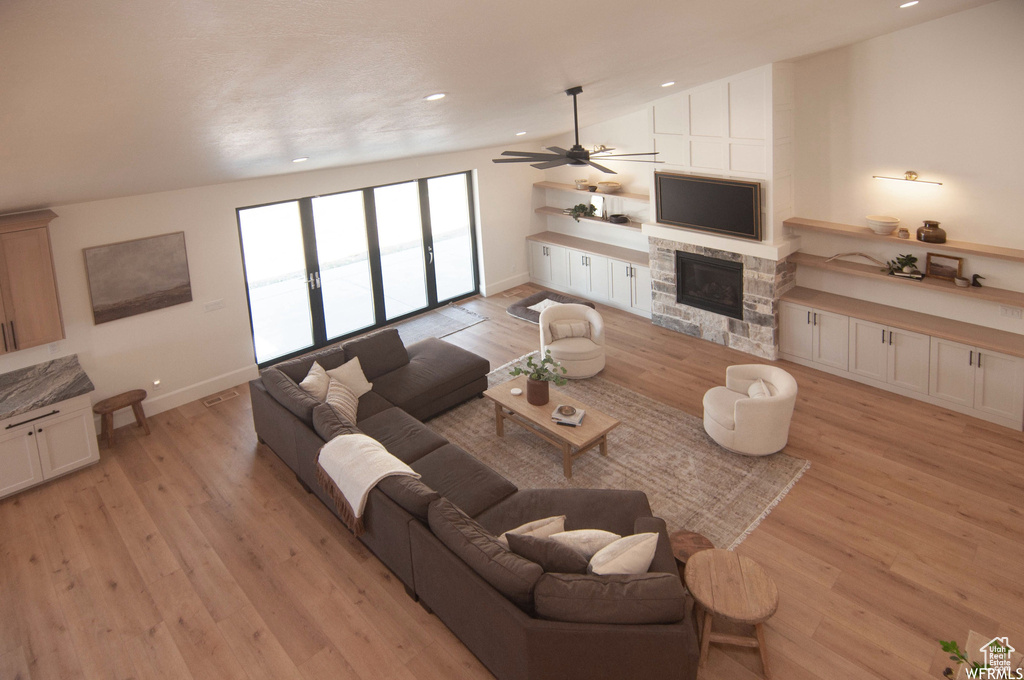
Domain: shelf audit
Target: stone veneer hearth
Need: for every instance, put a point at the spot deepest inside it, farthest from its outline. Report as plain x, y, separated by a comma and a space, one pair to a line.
764, 281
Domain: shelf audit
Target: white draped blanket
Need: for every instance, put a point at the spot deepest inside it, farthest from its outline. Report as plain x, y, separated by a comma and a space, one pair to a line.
355, 463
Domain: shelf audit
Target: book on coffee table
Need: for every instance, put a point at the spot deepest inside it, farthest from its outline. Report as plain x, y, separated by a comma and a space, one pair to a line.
567, 415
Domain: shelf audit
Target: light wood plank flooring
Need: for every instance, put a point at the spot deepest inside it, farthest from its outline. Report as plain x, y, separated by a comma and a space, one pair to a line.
193, 553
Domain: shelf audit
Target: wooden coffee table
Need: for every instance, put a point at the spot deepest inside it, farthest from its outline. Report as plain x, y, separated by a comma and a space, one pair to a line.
574, 441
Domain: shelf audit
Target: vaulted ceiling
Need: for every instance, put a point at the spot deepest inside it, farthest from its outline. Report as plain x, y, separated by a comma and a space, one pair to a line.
120, 97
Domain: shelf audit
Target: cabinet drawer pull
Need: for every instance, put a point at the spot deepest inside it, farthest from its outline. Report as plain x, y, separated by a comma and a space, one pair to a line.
809, 316
883, 336
970, 359
4, 327
979, 359
14, 337
25, 422
890, 337
815, 318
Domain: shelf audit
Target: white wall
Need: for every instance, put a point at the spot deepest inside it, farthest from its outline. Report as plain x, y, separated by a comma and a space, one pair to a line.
945, 99
195, 353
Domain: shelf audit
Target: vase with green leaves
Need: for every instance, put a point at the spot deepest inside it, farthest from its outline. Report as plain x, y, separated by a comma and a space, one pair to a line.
582, 210
538, 376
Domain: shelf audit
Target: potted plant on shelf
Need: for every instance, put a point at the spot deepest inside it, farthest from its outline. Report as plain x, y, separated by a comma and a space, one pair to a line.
582, 210
538, 375
904, 265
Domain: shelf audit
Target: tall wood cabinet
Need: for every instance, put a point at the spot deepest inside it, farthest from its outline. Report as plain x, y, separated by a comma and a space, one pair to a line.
29, 304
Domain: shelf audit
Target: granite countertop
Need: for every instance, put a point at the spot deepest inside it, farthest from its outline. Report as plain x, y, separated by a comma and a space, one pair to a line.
27, 389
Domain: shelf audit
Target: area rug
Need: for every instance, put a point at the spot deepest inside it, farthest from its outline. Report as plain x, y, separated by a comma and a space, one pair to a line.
691, 482
521, 309
437, 323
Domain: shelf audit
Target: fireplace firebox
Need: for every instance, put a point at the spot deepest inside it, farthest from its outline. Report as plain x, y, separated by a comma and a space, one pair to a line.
709, 284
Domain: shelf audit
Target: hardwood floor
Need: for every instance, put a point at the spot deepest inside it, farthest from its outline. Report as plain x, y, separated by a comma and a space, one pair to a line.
193, 552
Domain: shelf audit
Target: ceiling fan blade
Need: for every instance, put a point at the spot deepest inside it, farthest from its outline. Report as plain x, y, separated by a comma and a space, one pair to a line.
620, 155
630, 160
529, 154
601, 168
515, 160
551, 164
557, 149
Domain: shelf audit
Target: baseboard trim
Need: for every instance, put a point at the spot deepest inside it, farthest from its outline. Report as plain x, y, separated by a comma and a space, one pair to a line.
505, 284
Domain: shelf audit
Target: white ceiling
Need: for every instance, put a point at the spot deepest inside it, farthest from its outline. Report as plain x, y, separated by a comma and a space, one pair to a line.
120, 97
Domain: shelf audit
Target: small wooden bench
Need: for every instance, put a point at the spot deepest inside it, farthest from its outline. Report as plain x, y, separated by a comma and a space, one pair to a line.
107, 407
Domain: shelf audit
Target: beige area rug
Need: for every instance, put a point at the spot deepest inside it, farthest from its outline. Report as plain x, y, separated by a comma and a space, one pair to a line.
437, 323
691, 482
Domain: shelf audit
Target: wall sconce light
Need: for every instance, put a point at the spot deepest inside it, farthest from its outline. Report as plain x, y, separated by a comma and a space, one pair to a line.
908, 176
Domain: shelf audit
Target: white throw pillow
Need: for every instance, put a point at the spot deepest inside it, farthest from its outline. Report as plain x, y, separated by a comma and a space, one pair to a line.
540, 528
343, 400
628, 555
543, 304
759, 389
579, 328
316, 382
585, 541
350, 374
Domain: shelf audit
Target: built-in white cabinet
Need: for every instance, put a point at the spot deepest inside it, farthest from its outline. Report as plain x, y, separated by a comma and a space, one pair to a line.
891, 355
813, 334
629, 285
983, 380
46, 443
549, 264
588, 274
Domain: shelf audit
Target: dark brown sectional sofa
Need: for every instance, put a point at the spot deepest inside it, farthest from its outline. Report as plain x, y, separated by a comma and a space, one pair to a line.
435, 533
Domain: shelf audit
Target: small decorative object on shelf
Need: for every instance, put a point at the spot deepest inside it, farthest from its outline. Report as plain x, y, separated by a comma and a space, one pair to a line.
883, 225
931, 232
975, 280
905, 266
903, 233
582, 210
944, 266
582, 184
962, 282
618, 219
608, 187
538, 375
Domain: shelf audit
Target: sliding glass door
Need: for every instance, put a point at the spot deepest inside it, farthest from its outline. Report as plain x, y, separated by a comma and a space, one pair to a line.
322, 268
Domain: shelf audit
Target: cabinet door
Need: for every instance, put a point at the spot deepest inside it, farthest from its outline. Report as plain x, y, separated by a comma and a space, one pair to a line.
869, 350
598, 267
908, 360
642, 288
999, 384
952, 372
559, 257
29, 289
620, 284
19, 460
579, 273
67, 442
540, 264
830, 340
795, 330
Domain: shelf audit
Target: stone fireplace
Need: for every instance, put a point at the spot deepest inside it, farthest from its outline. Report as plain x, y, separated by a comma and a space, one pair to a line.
718, 295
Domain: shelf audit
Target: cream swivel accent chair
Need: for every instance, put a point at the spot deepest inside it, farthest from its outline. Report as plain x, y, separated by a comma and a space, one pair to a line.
579, 346
751, 425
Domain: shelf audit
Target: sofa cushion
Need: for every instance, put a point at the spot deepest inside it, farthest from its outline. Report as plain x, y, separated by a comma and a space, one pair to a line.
410, 493
378, 353
405, 437
508, 573
628, 555
550, 555
328, 423
436, 368
463, 479
288, 393
542, 528
316, 382
343, 400
619, 598
576, 349
586, 541
370, 404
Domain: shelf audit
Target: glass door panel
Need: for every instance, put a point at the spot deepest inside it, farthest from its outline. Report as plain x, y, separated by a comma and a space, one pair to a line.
345, 284
451, 231
276, 277
400, 235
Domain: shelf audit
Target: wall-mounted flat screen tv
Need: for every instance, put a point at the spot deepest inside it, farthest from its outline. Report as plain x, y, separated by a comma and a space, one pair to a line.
724, 206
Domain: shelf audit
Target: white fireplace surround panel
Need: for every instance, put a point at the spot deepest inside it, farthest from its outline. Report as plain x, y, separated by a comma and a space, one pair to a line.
767, 251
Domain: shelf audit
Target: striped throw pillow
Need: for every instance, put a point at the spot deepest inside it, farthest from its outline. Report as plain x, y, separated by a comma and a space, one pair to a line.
343, 400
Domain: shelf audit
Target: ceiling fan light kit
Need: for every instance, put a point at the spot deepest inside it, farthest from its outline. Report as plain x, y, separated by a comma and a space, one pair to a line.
576, 155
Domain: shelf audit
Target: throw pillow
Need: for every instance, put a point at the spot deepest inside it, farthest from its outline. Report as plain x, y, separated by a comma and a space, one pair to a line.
328, 423
343, 400
350, 374
759, 389
539, 527
316, 382
628, 555
543, 304
569, 329
551, 555
586, 541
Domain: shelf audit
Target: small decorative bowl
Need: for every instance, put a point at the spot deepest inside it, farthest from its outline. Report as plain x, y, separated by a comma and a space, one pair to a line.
566, 410
608, 187
582, 184
962, 282
883, 224
618, 219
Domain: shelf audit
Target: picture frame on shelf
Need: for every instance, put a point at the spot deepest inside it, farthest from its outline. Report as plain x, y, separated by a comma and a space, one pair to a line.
944, 266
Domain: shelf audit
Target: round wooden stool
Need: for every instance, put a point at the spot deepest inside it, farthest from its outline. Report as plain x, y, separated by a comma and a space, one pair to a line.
734, 588
685, 544
107, 407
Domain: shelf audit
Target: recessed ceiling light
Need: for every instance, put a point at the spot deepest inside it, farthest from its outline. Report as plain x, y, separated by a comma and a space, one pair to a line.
520, 134
909, 4
669, 83
434, 97
300, 160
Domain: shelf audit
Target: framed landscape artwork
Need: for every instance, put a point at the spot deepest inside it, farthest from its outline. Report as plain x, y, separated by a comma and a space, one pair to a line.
943, 266
133, 277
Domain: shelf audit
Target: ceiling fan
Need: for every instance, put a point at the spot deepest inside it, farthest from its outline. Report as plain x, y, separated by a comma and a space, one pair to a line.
576, 155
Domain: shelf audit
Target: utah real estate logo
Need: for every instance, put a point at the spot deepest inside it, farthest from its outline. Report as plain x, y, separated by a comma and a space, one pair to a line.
997, 653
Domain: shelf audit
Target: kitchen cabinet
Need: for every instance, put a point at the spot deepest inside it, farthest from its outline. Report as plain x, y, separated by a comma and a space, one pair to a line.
892, 355
29, 304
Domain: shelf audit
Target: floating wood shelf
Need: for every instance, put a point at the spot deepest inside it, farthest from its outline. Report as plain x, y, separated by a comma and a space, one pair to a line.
548, 210
637, 257
998, 252
569, 187
939, 327
871, 271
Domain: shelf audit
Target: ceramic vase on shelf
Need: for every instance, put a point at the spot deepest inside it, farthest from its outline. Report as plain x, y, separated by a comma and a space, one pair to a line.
931, 232
537, 391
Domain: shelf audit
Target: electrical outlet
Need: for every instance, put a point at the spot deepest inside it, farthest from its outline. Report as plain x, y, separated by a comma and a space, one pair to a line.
1012, 312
